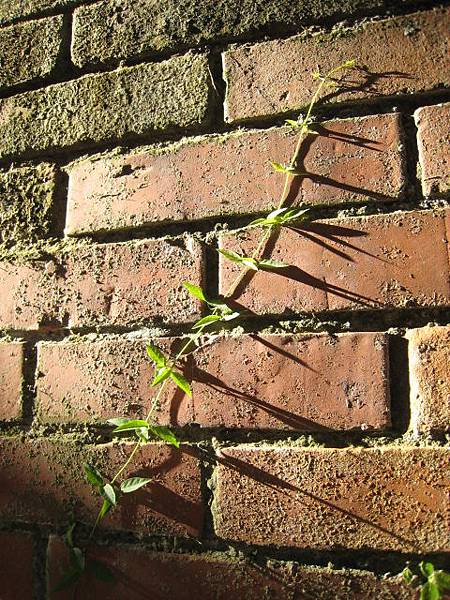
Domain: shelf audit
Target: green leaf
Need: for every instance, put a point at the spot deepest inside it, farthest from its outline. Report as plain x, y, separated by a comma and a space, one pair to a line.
142, 433
117, 421
131, 425
285, 169
231, 316
156, 355
295, 214
348, 64
206, 321
92, 475
77, 558
161, 374
68, 538
231, 255
181, 382
100, 571
292, 123
109, 493
442, 579
195, 290
272, 264
407, 574
250, 263
426, 568
133, 483
165, 434
69, 578
430, 591
106, 507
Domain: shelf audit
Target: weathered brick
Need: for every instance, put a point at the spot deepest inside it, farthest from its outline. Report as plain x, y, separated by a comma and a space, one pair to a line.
261, 80
16, 571
429, 360
140, 574
11, 367
41, 480
352, 160
27, 199
283, 382
30, 51
434, 153
111, 30
378, 261
123, 104
10, 10
391, 498
94, 381
105, 284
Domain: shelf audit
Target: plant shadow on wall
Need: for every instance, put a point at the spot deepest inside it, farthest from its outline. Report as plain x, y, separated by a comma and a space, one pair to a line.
264, 232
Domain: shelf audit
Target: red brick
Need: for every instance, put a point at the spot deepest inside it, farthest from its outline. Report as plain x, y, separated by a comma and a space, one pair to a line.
434, 152
16, 571
429, 360
11, 366
92, 381
262, 81
103, 284
352, 160
141, 574
41, 480
391, 498
299, 382
378, 261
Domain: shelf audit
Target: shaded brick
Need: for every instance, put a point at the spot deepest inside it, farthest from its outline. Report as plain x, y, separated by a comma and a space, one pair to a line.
30, 51
434, 153
391, 498
259, 84
352, 160
285, 381
42, 480
177, 576
27, 199
11, 367
123, 104
15, 9
429, 360
16, 571
93, 381
378, 261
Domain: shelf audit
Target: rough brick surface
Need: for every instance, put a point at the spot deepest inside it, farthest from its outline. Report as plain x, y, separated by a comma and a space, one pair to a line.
260, 84
285, 381
123, 104
14, 9
106, 284
40, 481
11, 368
434, 151
377, 261
378, 498
94, 381
29, 51
429, 361
27, 197
16, 571
352, 160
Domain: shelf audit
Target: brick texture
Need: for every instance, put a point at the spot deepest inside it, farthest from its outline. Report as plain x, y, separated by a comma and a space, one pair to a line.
260, 83
92, 381
30, 51
322, 498
429, 360
123, 104
16, 571
280, 382
41, 480
105, 284
378, 261
353, 160
434, 153
11, 367
11, 10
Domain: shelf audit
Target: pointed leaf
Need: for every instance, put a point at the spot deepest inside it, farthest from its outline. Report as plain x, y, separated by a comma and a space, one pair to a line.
407, 574
430, 591
100, 571
131, 425
181, 382
161, 374
349, 64
133, 483
250, 263
278, 167
142, 434
106, 507
292, 123
233, 256
231, 316
195, 290
92, 475
165, 434
442, 578
117, 421
272, 264
277, 212
426, 568
109, 494
205, 321
156, 355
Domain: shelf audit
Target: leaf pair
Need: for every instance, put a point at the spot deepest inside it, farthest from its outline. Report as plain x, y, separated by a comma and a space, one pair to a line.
437, 581
253, 263
226, 313
143, 428
165, 370
106, 490
281, 216
287, 169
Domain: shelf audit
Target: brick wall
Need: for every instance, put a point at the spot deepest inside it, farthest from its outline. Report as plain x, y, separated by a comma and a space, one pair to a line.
135, 139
